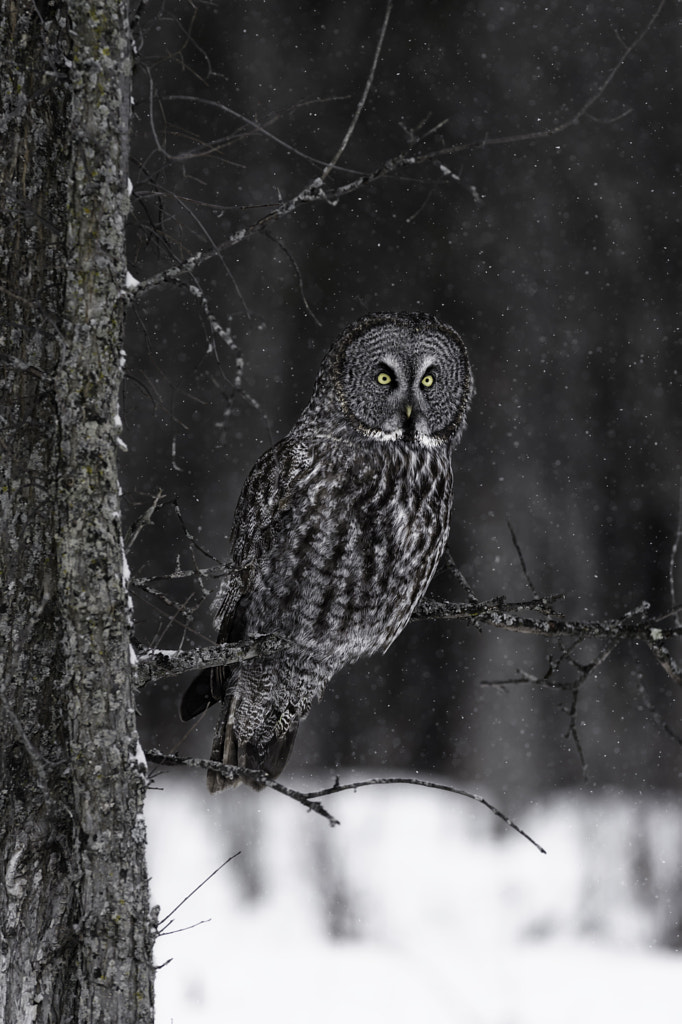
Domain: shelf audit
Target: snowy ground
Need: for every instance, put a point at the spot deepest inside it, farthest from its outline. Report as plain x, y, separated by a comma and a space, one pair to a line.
420, 907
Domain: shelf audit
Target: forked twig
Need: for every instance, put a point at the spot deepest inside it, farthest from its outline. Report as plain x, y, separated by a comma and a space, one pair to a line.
311, 800
363, 99
162, 931
144, 520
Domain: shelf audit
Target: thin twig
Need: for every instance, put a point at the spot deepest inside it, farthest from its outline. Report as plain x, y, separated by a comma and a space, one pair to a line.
553, 664
313, 192
187, 928
673, 557
585, 672
217, 105
299, 276
522, 561
573, 733
311, 800
144, 520
232, 772
656, 715
195, 889
190, 536
459, 575
363, 99
444, 787
570, 122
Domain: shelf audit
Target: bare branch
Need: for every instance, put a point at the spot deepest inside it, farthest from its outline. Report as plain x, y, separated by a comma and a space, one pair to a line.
215, 572
144, 520
190, 894
314, 192
498, 613
232, 772
656, 715
673, 557
311, 800
156, 664
502, 614
363, 99
444, 787
570, 122
654, 639
522, 561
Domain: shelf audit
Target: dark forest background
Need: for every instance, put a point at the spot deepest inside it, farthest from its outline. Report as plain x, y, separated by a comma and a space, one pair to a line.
556, 257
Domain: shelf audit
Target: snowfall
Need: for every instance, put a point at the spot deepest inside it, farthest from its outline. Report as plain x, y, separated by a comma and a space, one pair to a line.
420, 906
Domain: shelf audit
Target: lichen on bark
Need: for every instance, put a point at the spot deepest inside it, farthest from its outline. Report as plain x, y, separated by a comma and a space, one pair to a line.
75, 922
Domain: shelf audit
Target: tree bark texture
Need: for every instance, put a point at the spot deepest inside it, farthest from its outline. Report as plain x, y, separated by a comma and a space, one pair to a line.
75, 924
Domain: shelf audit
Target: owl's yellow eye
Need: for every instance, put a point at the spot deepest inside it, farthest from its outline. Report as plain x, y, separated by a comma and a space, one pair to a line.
427, 381
384, 378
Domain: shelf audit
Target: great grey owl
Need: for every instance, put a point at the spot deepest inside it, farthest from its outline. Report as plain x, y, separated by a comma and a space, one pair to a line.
338, 530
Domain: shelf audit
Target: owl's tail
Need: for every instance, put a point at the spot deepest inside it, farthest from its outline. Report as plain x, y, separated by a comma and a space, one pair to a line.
269, 757
263, 703
205, 689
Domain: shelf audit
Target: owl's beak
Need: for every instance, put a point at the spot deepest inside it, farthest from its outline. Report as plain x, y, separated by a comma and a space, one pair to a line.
408, 411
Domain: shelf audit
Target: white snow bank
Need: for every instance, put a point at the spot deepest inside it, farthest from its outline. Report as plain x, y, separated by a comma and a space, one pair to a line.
419, 906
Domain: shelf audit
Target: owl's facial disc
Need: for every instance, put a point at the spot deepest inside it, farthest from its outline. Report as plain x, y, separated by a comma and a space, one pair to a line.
403, 376
398, 396
401, 399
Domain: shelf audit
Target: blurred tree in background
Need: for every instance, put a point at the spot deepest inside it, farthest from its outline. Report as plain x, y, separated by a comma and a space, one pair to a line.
544, 225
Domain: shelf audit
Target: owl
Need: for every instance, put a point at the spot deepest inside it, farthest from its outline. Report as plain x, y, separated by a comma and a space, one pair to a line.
338, 530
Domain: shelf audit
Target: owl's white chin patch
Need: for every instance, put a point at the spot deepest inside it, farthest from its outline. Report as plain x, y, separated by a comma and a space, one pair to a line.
384, 435
428, 440
423, 440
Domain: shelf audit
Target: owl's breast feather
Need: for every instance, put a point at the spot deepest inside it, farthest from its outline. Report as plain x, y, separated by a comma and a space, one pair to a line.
354, 550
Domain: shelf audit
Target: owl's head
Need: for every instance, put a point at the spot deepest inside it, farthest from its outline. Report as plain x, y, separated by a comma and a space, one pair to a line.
400, 376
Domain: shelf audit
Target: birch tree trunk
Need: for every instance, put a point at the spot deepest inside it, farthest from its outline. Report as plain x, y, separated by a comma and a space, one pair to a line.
76, 932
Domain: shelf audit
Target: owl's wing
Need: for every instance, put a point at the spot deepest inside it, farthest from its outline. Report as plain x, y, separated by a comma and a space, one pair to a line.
262, 506
266, 500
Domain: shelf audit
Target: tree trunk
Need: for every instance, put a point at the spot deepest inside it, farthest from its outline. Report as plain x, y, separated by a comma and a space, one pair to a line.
76, 931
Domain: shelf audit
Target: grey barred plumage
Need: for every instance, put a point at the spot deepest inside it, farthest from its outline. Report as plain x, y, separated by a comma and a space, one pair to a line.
338, 530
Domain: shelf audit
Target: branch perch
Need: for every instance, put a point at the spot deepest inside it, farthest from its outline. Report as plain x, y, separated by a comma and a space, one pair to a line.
496, 612
311, 800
